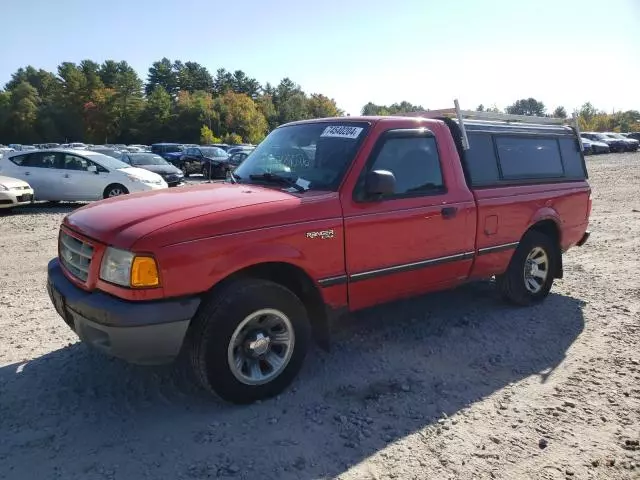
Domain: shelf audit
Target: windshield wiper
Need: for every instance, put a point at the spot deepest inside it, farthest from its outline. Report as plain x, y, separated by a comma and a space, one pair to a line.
275, 178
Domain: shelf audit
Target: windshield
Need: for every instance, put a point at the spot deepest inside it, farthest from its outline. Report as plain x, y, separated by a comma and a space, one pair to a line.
617, 135
107, 162
213, 152
147, 159
600, 136
315, 155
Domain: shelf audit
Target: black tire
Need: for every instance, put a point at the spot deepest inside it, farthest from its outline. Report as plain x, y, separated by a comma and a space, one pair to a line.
512, 284
212, 328
185, 171
111, 190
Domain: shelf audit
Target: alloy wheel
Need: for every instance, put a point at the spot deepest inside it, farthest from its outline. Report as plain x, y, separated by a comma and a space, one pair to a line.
536, 270
261, 347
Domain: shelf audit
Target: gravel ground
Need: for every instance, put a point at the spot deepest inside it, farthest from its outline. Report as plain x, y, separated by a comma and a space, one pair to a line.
454, 385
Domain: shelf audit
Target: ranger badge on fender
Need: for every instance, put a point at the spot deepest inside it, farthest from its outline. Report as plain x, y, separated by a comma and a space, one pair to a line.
322, 234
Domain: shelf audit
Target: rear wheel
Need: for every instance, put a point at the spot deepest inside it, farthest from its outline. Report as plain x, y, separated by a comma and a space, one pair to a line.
115, 190
249, 341
530, 274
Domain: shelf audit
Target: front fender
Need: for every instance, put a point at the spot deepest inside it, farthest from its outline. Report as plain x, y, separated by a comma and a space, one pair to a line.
197, 266
250, 255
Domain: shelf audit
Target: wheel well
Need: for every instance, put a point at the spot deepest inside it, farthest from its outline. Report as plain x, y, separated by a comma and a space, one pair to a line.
104, 193
300, 283
550, 229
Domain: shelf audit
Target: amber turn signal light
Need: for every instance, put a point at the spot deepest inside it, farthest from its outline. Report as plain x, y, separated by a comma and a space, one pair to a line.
144, 272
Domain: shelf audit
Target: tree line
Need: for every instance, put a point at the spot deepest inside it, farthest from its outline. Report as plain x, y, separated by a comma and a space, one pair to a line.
184, 102
109, 103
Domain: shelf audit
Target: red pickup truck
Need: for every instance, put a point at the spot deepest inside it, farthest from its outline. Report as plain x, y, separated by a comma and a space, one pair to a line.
325, 216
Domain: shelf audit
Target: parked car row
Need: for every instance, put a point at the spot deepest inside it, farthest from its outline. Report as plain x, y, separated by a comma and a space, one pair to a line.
154, 163
174, 161
90, 172
212, 161
605, 142
75, 175
632, 135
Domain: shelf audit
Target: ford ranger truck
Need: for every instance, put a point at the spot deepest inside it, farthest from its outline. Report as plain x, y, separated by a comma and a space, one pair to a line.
325, 216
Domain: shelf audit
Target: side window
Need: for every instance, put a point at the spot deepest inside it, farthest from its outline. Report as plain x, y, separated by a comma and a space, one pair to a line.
21, 160
196, 152
482, 164
414, 162
573, 164
73, 162
188, 151
529, 157
41, 160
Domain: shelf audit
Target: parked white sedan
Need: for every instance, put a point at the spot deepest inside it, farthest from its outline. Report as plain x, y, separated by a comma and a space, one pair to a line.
77, 175
14, 192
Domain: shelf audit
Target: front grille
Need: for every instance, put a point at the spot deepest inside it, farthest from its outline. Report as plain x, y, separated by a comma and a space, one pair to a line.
75, 255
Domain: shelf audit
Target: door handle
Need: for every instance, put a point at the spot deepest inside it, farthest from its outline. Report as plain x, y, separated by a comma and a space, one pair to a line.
66, 175
448, 212
27, 173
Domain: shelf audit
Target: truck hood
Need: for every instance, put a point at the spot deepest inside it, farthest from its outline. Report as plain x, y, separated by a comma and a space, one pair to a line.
121, 221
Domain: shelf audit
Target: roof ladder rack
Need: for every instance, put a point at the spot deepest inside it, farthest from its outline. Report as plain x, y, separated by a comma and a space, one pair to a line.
492, 116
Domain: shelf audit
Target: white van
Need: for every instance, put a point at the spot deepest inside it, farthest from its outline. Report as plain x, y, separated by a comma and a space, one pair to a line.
73, 175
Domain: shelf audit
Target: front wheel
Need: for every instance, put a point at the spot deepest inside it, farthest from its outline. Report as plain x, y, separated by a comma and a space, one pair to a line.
249, 341
530, 274
115, 190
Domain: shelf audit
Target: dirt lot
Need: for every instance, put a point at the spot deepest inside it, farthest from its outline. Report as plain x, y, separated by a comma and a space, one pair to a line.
454, 385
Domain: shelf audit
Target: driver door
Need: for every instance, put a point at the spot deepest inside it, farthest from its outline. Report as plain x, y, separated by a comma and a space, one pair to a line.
418, 239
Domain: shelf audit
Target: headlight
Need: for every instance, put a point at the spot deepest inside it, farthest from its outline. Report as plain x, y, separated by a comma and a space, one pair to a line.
116, 266
144, 180
129, 270
3, 188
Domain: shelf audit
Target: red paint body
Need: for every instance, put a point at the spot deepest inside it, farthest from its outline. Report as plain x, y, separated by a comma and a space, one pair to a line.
200, 235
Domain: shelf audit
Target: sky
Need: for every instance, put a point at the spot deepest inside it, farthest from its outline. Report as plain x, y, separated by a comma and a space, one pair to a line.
491, 52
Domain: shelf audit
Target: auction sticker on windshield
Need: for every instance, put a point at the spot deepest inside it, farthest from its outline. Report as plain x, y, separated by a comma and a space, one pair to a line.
339, 131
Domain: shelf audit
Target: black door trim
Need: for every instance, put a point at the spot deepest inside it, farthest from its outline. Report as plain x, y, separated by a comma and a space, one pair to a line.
497, 248
331, 281
407, 267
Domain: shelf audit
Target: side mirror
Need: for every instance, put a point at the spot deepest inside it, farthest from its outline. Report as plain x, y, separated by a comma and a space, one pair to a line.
93, 169
379, 183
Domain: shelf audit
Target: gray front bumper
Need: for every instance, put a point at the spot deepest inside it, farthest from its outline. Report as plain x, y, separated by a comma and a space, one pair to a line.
138, 332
